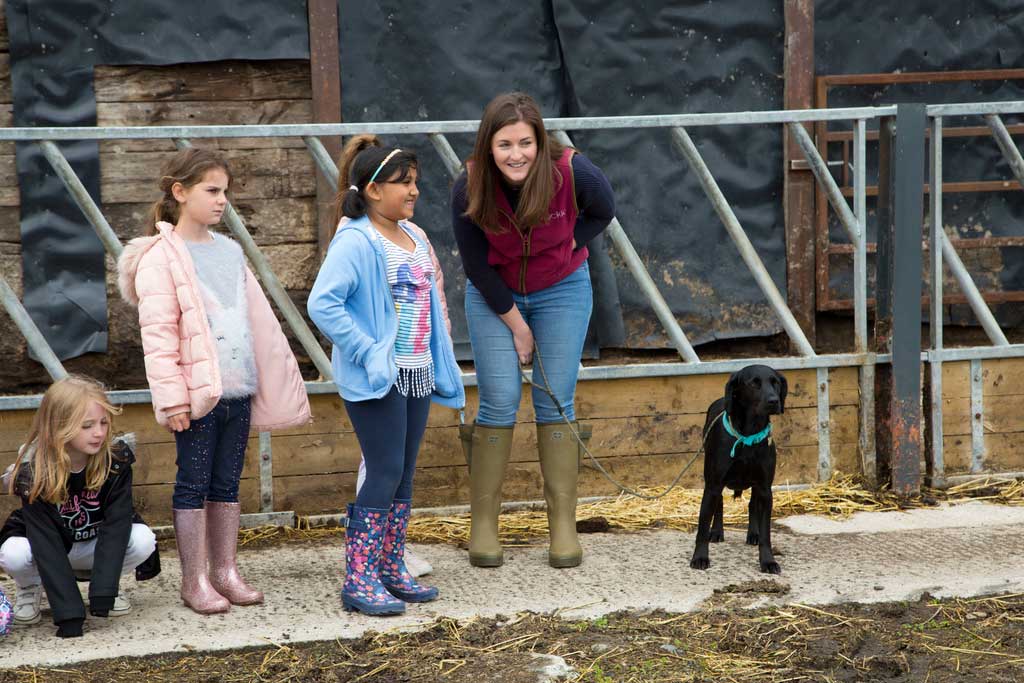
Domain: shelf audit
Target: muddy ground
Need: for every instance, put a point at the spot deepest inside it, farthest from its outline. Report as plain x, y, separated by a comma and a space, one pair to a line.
967, 641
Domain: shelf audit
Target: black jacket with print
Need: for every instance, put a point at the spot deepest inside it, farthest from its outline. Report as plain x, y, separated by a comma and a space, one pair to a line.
51, 540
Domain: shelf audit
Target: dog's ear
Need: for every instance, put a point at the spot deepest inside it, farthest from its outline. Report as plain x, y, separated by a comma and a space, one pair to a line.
730, 389
783, 390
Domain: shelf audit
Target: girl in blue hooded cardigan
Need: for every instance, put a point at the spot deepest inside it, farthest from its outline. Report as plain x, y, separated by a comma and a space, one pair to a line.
376, 299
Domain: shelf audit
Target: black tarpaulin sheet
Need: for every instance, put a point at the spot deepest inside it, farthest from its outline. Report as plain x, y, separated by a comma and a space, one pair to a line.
918, 35
405, 62
54, 46
445, 60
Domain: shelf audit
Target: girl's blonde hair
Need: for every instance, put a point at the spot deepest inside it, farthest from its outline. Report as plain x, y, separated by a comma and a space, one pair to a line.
188, 167
55, 424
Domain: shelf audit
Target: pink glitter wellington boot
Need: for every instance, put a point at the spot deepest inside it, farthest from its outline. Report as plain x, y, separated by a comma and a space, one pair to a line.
196, 591
222, 538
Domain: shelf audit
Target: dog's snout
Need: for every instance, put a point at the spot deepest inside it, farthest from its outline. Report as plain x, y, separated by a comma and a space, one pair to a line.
774, 405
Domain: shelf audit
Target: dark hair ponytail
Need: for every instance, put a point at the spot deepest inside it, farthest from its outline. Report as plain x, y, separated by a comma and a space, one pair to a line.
360, 159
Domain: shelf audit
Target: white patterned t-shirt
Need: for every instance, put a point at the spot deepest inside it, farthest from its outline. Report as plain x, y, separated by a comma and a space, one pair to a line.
410, 275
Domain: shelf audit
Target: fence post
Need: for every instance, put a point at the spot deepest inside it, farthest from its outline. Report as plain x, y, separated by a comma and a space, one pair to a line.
898, 296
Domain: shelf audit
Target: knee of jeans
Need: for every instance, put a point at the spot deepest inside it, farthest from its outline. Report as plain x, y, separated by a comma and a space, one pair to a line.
547, 413
16, 555
499, 410
187, 498
141, 543
226, 495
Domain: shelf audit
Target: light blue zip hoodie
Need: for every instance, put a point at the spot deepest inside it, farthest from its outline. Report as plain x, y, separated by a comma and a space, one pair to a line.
351, 303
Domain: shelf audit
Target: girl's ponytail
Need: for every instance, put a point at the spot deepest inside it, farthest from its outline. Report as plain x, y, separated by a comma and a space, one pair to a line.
350, 201
164, 209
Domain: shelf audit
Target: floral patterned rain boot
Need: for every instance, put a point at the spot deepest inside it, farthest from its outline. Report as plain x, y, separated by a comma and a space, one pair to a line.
6, 615
393, 572
364, 543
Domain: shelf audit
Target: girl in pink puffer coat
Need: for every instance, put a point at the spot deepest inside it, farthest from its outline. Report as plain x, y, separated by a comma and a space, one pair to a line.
217, 362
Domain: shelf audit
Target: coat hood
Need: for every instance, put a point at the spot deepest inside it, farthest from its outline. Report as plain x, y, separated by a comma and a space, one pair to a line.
128, 263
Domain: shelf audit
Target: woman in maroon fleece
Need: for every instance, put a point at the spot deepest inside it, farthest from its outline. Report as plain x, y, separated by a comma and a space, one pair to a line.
523, 213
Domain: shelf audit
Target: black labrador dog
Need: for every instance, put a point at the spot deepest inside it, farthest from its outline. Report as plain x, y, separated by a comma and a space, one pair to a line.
739, 453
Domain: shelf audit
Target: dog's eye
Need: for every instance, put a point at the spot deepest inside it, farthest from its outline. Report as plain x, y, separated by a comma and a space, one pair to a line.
757, 381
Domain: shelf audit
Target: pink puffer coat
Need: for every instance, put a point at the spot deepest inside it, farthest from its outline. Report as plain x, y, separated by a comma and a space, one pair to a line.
157, 275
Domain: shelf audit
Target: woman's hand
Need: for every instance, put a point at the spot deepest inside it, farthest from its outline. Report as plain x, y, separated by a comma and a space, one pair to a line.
522, 336
179, 422
522, 339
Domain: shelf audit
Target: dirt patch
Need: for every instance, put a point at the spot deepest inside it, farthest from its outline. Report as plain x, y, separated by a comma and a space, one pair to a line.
758, 586
968, 641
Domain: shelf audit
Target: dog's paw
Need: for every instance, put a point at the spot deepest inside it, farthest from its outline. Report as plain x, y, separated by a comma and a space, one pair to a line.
700, 563
752, 538
716, 536
771, 567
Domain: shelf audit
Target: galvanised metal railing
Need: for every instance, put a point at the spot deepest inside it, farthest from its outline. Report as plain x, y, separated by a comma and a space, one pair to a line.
852, 219
941, 251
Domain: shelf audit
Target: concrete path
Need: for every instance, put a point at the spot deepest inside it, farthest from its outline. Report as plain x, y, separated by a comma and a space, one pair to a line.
965, 550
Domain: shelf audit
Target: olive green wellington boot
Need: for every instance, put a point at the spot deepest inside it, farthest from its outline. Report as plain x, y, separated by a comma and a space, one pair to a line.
487, 451
560, 465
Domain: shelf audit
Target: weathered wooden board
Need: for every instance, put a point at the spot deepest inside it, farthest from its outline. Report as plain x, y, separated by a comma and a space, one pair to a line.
5, 43
252, 112
5, 75
9, 193
282, 220
130, 177
205, 82
1004, 452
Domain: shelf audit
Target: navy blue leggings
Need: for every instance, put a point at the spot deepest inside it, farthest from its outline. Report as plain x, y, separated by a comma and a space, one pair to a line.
211, 455
389, 430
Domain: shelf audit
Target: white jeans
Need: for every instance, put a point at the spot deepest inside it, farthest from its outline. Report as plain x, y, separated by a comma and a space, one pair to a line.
16, 556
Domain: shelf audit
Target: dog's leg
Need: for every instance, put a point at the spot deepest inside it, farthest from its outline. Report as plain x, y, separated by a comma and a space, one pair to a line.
712, 497
753, 517
764, 546
717, 533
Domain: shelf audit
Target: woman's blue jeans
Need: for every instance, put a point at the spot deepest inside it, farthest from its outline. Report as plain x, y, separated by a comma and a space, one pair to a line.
558, 316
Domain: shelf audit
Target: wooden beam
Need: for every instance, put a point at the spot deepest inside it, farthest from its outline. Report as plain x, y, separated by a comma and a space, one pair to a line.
798, 185
325, 71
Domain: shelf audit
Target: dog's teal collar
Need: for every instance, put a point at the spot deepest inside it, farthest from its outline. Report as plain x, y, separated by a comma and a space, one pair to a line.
751, 440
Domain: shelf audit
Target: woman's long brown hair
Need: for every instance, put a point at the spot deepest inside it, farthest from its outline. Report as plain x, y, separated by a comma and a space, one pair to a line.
540, 184
58, 420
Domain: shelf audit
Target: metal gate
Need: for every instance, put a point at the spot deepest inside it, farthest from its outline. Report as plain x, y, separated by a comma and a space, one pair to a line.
677, 131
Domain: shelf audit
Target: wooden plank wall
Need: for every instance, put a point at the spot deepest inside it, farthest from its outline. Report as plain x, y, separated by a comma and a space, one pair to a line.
10, 236
274, 185
1002, 418
645, 430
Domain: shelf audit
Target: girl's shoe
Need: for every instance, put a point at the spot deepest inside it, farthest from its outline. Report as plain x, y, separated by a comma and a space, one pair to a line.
27, 602
393, 572
417, 565
122, 605
364, 541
